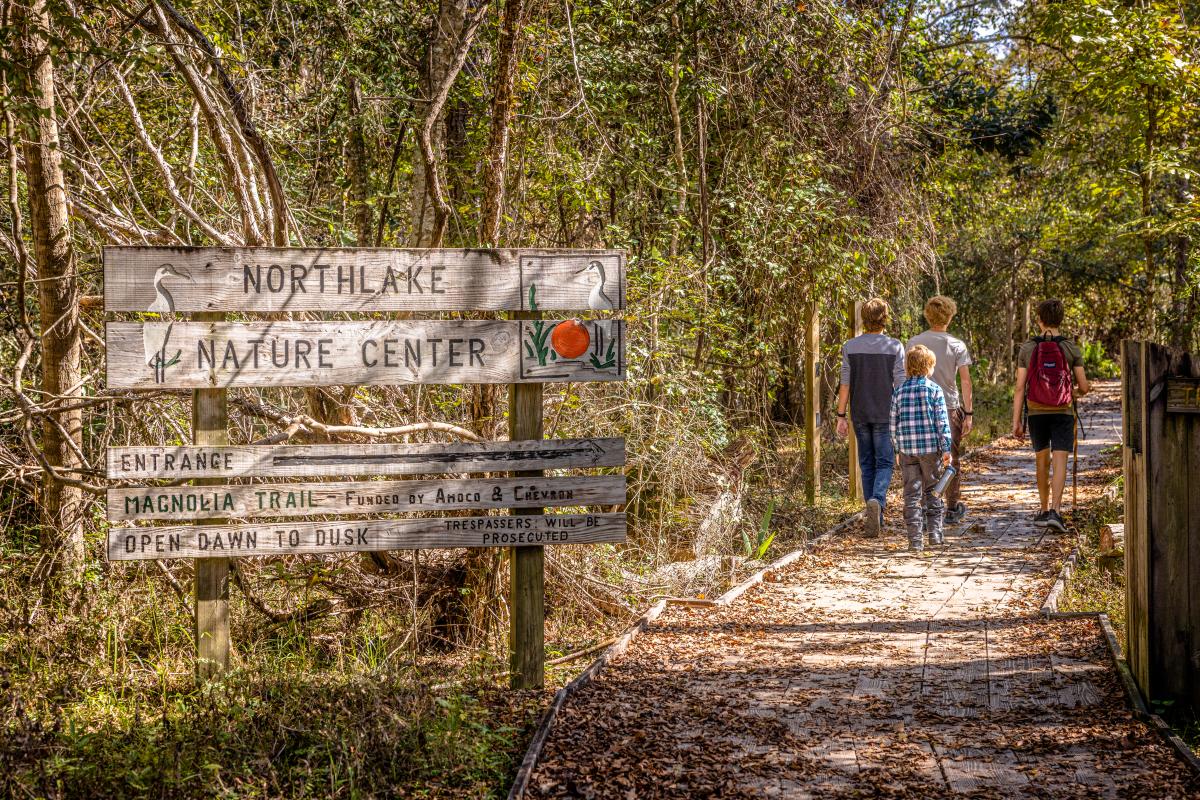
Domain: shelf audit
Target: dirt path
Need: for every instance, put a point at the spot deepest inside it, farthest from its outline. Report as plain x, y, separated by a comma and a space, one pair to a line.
863, 671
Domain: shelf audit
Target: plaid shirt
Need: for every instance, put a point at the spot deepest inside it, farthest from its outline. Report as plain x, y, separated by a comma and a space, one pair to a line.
919, 421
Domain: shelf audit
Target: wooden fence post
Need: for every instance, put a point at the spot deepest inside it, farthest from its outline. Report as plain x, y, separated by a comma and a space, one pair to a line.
1161, 459
812, 405
527, 613
210, 418
1137, 560
854, 483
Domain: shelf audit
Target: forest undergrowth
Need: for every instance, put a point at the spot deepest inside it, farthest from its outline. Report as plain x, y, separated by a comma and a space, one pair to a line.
357, 677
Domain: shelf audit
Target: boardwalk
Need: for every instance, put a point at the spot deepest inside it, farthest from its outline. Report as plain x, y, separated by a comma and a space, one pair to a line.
863, 671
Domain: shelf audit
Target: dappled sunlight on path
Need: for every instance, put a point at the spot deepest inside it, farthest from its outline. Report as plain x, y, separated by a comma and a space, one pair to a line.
861, 670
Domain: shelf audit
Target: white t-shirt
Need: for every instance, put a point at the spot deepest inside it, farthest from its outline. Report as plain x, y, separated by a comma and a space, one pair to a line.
951, 353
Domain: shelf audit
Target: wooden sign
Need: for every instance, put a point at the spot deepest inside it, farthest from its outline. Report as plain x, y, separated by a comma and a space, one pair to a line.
369, 497
344, 536
267, 279
1183, 395
217, 355
348, 460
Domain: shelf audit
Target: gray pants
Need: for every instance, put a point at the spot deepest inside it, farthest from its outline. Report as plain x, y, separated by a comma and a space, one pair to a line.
919, 474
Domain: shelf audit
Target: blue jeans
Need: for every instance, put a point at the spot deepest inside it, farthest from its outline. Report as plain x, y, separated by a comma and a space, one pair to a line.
875, 458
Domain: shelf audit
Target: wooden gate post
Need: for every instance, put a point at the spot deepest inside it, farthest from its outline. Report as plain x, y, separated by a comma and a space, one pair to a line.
854, 483
210, 418
1137, 558
1161, 410
812, 405
527, 612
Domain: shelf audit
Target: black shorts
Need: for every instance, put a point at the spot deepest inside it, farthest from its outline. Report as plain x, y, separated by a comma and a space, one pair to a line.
1055, 431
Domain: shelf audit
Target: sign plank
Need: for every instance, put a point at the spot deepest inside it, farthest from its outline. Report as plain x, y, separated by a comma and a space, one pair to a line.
1183, 396
346, 460
269, 279
235, 541
370, 497
199, 355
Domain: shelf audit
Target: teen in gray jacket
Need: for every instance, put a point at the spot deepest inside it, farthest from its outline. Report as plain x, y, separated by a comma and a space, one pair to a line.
872, 366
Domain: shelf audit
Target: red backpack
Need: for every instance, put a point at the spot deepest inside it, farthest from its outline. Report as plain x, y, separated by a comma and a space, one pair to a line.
1049, 381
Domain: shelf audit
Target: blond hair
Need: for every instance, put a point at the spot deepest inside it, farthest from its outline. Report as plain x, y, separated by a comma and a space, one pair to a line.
875, 313
919, 361
940, 310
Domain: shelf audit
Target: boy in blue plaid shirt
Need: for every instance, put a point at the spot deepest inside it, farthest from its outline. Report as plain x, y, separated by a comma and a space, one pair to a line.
921, 439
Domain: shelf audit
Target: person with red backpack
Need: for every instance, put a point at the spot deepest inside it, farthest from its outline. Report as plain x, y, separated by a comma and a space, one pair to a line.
1050, 376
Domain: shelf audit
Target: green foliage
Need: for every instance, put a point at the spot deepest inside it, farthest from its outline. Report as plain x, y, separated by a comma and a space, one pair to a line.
1097, 363
756, 550
103, 705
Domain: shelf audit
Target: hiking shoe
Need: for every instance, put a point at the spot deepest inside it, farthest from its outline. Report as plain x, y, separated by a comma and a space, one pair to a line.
1055, 522
915, 546
872, 518
955, 515
1041, 519
936, 539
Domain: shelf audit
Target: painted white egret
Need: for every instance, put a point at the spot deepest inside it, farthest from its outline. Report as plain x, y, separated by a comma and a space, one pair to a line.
597, 300
163, 301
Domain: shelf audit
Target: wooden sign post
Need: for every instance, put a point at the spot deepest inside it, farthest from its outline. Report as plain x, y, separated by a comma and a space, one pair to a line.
210, 428
208, 355
527, 569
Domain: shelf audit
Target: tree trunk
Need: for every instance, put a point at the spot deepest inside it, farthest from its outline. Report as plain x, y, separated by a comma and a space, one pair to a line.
495, 157
485, 399
1146, 175
356, 165
1183, 295
452, 31
58, 300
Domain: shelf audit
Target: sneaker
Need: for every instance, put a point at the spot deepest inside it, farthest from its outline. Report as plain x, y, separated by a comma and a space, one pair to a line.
1054, 521
915, 546
1041, 519
872, 518
955, 515
936, 539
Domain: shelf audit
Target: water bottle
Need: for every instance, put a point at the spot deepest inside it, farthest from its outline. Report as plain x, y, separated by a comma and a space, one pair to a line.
944, 481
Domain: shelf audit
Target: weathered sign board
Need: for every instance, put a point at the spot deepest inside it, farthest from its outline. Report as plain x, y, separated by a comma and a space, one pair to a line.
267, 279
218, 355
1183, 396
210, 354
340, 460
344, 536
361, 497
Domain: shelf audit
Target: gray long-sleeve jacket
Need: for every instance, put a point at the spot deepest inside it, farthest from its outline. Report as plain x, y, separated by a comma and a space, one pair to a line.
872, 366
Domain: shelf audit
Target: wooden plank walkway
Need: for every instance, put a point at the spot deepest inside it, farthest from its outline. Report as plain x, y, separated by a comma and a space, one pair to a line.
861, 671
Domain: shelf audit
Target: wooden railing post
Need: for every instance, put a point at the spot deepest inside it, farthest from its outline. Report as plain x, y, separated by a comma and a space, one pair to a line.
812, 405
854, 483
527, 613
210, 426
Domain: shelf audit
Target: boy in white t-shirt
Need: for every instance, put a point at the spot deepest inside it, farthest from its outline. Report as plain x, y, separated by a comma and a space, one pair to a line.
953, 362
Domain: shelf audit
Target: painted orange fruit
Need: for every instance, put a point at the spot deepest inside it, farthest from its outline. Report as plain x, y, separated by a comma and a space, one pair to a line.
570, 339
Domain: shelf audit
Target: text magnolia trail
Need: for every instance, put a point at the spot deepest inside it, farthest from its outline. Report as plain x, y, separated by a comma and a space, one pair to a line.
309, 499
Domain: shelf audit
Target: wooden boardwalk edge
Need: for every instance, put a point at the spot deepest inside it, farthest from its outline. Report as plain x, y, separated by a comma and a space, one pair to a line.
1050, 604
1133, 695
761, 575
1138, 703
542, 734
534, 752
